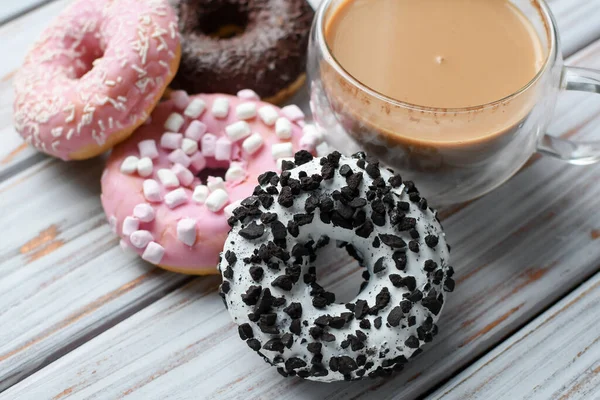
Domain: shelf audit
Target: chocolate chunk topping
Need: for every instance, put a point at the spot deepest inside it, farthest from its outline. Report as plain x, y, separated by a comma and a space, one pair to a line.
286, 198
256, 273
267, 218
395, 316
296, 327
345, 170
379, 265
361, 309
252, 231
365, 324
395, 181
254, 344
392, 241
294, 363
353, 181
251, 296
405, 305
373, 171
377, 322
265, 178
366, 229
413, 245
245, 331
431, 240
302, 157
449, 285
430, 266
283, 282
274, 345
412, 342
231, 258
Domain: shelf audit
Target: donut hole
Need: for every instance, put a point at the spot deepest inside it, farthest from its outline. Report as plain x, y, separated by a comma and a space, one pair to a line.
89, 50
224, 22
216, 171
339, 272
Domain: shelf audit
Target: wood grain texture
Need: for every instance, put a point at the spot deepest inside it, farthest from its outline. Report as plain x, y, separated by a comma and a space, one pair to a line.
16, 38
62, 276
63, 280
555, 357
516, 251
13, 8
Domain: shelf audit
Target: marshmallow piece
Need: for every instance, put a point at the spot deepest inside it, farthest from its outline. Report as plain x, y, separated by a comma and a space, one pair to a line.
145, 166
154, 253
195, 108
195, 130
245, 111
129, 165
140, 239
179, 156
201, 193
171, 141
281, 150
197, 162
184, 175
220, 107
144, 212
152, 191
248, 94
253, 143
215, 183
308, 142
168, 178
125, 246
313, 130
235, 173
238, 131
322, 149
223, 149
180, 99
217, 200
186, 231
148, 149
112, 222
293, 112
230, 208
283, 128
209, 145
174, 122
281, 160
175, 198
130, 225
268, 115
189, 146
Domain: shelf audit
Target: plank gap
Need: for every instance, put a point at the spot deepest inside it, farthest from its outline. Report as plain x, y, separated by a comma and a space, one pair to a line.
484, 352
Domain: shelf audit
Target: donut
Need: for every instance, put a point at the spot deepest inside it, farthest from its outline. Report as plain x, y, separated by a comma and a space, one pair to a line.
95, 75
229, 45
270, 258
169, 189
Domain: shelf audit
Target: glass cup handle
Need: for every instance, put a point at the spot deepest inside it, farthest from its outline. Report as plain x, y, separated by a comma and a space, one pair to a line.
579, 153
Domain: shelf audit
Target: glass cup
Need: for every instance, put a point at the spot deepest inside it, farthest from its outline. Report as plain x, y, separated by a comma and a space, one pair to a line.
357, 118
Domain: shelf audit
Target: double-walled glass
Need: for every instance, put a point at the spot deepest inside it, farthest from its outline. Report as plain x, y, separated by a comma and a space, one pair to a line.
406, 136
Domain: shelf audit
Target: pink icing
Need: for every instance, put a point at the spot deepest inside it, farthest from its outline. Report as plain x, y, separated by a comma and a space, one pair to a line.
94, 74
122, 193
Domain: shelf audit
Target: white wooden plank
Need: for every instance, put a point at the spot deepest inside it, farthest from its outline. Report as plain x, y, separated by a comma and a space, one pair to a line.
554, 357
17, 36
13, 8
516, 252
62, 275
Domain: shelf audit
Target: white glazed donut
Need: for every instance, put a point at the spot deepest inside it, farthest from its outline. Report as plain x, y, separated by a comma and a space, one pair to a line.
269, 269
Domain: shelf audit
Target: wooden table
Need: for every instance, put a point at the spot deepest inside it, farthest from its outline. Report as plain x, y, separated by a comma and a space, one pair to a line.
81, 319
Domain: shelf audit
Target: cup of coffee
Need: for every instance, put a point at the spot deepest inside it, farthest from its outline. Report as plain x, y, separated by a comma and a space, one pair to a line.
455, 94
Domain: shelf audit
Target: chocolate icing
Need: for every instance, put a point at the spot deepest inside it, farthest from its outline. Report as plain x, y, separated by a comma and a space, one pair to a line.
268, 56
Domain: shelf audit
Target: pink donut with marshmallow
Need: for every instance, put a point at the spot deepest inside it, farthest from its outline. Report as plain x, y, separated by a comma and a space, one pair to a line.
157, 189
95, 75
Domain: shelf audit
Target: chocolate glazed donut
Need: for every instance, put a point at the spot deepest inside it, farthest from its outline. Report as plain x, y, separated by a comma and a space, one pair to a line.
230, 45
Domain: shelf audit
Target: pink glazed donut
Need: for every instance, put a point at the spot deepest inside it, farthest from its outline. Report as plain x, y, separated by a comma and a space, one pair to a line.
95, 75
157, 189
